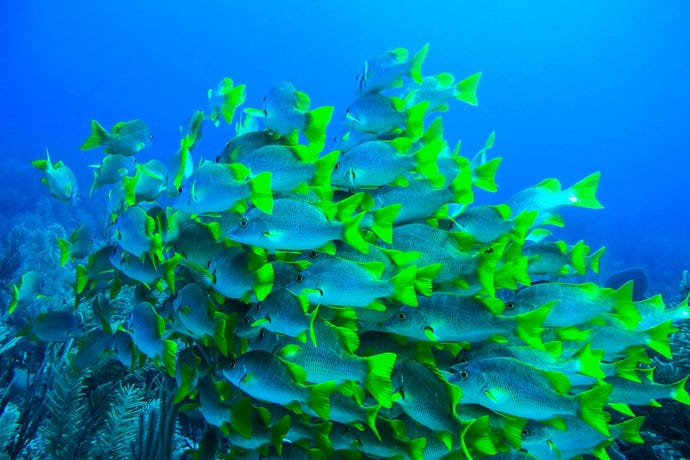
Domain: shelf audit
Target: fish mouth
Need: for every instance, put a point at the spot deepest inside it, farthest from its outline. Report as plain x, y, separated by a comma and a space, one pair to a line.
351, 117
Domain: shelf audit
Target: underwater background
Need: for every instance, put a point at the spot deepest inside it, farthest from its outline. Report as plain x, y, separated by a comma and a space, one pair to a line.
569, 87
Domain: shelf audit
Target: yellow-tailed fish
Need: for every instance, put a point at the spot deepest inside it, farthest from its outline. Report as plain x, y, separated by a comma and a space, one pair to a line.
388, 69
126, 137
59, 179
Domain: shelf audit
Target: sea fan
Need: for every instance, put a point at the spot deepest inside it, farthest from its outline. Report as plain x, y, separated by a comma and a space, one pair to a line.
62, 432
120, 428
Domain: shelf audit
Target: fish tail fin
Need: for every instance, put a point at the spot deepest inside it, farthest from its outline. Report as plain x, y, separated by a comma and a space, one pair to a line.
98, 137
315, 127
169, 357
423, 282
82, 279
378, 379
485, 175
592, 404
169, 271
658, 338
372, 413
64, 246
593, 260
403, 286
383, 222
522, 224
43, 165
466, 90
323, 169
219, 337
261, 195
577, 257
278, 431
414, 122
416, 63
129, 186
426, 162
583, 193
319, 398
233, 97
477, 434
512, 272
15, 299
624, 305
416, 448
529, 326
629, 430
352, 236
264, 277
679, 393
589, 362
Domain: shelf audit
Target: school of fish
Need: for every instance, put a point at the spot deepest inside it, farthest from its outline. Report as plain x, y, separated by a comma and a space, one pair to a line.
354, 303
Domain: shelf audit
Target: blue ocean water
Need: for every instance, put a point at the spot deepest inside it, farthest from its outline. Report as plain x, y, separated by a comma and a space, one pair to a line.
570, 87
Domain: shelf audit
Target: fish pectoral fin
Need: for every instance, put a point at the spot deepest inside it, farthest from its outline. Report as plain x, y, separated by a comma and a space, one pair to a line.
429, 333
246, 377
491, 396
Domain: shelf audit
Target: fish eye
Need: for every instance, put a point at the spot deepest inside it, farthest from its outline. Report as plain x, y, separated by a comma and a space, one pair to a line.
299, 278
259, 305
510, 305
464, 374
232, 365
352, 174
246, 320
262, 333
402, 315
337, 165
313, 254
243, 222
179, 189
452, 370
525, 432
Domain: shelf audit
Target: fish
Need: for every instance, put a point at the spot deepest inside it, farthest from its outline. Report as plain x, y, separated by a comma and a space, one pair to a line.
545, 441
148, 183
26, 291
125, 138
217, 187
296, 225
437, 90
334, 358
111, 170
265, 377
547, 197
376, 163
293, 168
549, 257
199, 316
506, 385
453, 318
425, 395
340, 282
59, 179
378, 114
488, 223
224, 100
135, 232
236, 274
574, 304
144, 271
388, 69
78, 246
55, 326
148, 334
286, 114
